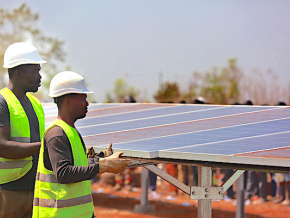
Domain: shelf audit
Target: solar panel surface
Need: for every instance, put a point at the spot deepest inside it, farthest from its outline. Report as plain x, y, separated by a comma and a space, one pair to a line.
253, 135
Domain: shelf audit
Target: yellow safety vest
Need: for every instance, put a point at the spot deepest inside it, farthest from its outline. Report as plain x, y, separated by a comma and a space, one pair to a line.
13, 169
52, 199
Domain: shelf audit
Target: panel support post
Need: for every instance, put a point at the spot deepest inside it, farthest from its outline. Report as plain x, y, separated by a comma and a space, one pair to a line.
204, 179
240, 211
144, 207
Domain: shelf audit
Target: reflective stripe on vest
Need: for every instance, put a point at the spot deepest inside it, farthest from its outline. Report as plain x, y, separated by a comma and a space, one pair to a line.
13, 169
52, 199
13, 164
63, 203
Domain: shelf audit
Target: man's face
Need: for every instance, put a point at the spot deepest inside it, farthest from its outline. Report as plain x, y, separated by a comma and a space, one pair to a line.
79, 105
30, 77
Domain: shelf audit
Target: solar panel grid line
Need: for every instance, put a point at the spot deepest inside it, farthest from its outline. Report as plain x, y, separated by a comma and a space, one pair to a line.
172, 106
226, 147
133, 120
166, 115
189, 146
269, 159
196, 149
144, 132
129, 130
172, 114
283, 152
126, 121
92, 107
205, 130
109, 113
230, 140
145, 118
215, 107
184, 113
243, 145
264, 150
145, 142
177, 153
118, 116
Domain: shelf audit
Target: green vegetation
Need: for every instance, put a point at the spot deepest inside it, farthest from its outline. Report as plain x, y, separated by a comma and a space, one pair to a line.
121, 92
20, 24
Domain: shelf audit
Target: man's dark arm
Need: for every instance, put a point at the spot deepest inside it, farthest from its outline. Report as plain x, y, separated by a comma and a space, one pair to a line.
15, 150
60, 156
10, 149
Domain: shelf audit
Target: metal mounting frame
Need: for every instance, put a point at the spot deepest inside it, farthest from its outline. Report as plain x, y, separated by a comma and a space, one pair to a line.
204, 192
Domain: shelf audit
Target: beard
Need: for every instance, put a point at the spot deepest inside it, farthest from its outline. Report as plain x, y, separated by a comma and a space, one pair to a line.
32, 88
83, 115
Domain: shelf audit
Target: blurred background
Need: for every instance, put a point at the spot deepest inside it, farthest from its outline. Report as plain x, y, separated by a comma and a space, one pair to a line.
159, 51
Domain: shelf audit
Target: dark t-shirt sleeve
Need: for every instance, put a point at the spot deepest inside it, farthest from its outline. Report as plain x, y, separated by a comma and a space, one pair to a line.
4, 112
58, 157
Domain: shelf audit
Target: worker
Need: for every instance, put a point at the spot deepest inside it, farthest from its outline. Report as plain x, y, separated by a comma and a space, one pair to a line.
21, 129
63, 187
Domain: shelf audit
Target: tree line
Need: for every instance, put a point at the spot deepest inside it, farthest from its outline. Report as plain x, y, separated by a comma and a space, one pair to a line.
226, 85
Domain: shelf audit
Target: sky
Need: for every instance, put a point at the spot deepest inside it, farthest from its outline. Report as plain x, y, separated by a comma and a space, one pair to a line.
140, 40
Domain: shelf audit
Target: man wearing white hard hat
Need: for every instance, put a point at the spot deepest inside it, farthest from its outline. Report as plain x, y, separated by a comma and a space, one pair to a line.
63, 187
21, 128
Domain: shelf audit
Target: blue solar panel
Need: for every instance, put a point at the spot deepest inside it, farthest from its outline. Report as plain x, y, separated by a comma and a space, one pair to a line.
141, 115
210, 136
189, 132
134, 120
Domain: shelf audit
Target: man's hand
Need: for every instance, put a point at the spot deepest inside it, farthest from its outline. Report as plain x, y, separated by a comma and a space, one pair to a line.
109, 151
91, 153
113, 163
106, 153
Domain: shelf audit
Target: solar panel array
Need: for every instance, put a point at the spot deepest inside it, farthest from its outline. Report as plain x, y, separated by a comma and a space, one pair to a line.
254, 135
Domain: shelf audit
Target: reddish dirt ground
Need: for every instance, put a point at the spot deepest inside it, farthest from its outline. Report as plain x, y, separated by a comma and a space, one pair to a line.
120, 204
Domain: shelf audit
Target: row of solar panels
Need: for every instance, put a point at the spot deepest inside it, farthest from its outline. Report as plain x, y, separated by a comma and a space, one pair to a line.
239, 134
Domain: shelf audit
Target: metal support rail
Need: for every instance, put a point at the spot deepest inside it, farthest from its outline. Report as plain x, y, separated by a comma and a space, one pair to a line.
204, 193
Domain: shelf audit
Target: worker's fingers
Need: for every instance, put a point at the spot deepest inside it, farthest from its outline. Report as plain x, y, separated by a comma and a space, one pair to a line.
90, 151
109, 147
117, 154
109, 151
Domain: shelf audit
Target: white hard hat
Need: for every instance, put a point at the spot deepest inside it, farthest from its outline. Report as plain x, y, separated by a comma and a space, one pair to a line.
21, 53
67, 82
